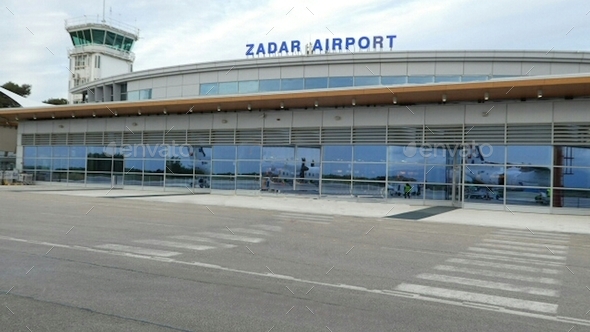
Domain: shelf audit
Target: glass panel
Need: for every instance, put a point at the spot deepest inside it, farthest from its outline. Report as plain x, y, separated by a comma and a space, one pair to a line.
227, 88
98, 178
76, 177
178, 181
119, 42
224, 168
368, 189
154, 165
393, 80
404, 189
176, 165
77, 164
571, 177
249, 152
405, 154
449, 78
474, 78
571, 198
98, 36
248, 183
127, 44
133, 166
208, 89
60, 151
60, 164
438, 192
420, 79
484, 154
43, 151
366, 80
278, 153
316, 83
439, 174
133, 179
288, 84
227, 152
484, 194
200, 182
152, 180
44, 163
150, 151
369, 153
77, 151
248, 86
526, 196
75, 39
110, 39
337, 82
572, 156
30, 152
375, 172
406, 172
145, 94
279, 169
529, 155
223, 183
337, 153
59, 177
336, 187
99, 165
269, 85
336, 170
312, 155
527, 176
249, 168
488, 174
87, 37
28, 163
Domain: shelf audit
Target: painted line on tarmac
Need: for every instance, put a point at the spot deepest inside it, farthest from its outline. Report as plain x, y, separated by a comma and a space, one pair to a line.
138, 250
397, 293
512, 253
526, 244
498, 274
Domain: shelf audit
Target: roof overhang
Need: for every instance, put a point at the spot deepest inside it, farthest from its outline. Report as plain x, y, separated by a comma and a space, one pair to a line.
500, 90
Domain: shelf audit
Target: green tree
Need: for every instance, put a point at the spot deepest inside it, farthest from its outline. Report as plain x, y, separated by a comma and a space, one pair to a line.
21, 90
56, 101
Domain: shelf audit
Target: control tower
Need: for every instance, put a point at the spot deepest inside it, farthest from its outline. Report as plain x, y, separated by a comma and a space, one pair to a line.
102, 48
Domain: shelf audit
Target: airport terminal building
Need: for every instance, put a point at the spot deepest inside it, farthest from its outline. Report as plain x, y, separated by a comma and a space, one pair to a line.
505, 130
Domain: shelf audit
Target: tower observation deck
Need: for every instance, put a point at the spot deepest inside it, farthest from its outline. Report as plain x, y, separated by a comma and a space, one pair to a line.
101, 48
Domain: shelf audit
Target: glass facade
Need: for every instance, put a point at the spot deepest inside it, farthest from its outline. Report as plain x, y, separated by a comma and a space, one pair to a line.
101, 37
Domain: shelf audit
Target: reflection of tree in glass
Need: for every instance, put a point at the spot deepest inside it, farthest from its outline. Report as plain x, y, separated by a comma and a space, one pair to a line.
174, 165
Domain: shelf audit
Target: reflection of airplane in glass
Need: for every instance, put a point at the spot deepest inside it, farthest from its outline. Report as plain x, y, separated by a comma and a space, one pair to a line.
515, 175
302, 172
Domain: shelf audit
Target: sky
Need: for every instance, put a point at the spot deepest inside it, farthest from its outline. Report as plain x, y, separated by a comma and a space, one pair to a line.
34, 44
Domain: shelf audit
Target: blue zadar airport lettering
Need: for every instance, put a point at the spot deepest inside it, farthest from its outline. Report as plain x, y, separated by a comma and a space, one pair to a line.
329, 44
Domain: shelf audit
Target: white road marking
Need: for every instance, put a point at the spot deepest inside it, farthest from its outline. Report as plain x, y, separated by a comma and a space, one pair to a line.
232, 237
536, 234
138, 250
526, 244
511, 259
513, 253
269, 228
175, 244
488, 284
479, 298
514, 247
503, 266
250, 231
497, 274
203, 239
528, 240
416, 296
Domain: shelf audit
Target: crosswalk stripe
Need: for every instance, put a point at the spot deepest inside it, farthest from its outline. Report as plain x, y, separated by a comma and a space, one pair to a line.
497, 274
479, 298
138, 250
488, 284
175, 244
513, 253
526, 244
535, 234
232, 237
269, 227
503, 266
306, 216
514, 247
511, 259
250, 231
531, 236
528, 240
203, 239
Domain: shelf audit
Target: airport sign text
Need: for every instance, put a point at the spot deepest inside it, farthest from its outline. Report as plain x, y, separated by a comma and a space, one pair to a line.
326, 45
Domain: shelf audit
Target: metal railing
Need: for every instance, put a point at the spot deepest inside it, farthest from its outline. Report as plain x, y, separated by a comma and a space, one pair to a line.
88, 20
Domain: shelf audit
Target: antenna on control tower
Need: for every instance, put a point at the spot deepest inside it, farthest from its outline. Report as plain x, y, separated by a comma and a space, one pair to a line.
103, 9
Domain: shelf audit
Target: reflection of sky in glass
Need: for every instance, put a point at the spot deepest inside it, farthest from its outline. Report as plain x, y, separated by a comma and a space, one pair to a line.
529, 155
370, 153
278, 153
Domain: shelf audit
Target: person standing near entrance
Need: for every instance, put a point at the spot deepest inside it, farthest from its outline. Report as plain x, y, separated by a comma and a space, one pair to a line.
407, 190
